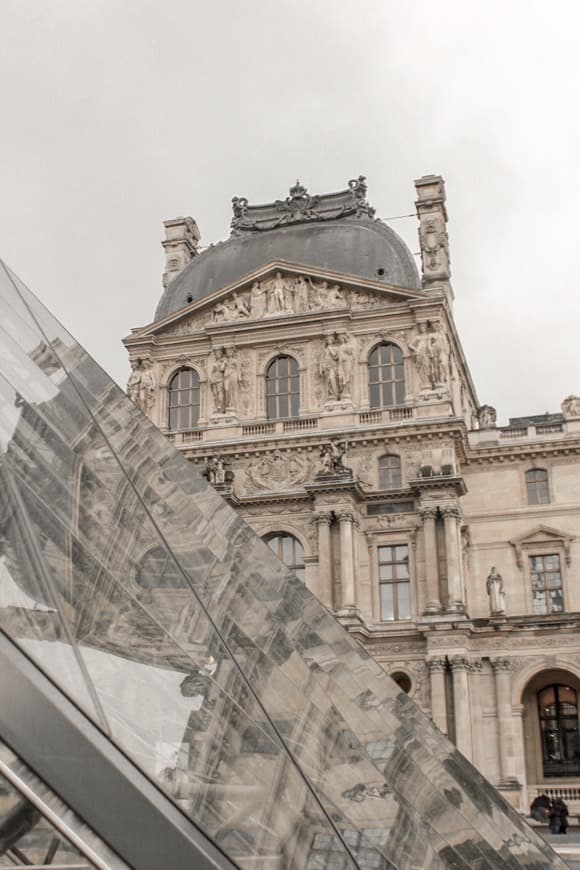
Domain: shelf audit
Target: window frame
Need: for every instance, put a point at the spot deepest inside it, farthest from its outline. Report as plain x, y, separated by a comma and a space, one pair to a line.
538, 487
386, 472
193, 389
297, 567
292, 375
544, 553
394, 582
560, 718
383, 369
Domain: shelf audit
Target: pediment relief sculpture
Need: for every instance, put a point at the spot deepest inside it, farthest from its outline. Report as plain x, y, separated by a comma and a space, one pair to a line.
289, 294
278, 470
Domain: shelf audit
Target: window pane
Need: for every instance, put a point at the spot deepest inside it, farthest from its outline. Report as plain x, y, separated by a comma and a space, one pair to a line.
385, 572
403, 601
282, 406
401, 553
375, 396
387, 609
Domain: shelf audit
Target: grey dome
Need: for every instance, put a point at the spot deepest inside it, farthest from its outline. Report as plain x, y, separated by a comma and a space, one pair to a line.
359, 247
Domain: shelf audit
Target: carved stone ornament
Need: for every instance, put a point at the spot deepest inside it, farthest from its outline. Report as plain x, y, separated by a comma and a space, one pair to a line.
278, 470
141, 386
431, 354
301, 207
288, 294
336, 365
219, 472
571, 406
224, 379
331, 460
486, 417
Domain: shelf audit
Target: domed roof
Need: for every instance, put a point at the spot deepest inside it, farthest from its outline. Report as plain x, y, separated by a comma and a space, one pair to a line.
315, 233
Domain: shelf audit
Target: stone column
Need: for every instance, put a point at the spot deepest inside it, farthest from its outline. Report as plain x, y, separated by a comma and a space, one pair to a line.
501, 672
437, 690
348, 593
431, 567
460, 671
324, 585
455, 603
477, 734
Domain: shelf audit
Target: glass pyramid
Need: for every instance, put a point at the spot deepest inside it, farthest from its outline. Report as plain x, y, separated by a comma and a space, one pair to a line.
151, 605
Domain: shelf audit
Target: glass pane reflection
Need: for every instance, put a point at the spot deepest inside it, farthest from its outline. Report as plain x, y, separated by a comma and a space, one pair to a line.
230, 686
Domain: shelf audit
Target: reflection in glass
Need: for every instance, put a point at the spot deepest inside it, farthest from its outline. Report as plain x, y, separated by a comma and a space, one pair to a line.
128, 579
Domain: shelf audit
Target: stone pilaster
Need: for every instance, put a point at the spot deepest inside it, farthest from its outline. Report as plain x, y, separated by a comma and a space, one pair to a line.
433, 604
436, 669
476, 671
501, 671
460, 671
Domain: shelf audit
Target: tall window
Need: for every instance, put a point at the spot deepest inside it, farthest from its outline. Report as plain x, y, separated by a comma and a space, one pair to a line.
290, 551
394, 582
537, 486
546, 584
282, 388
558, 712
159, 571
390, 472
184, 399
386, 376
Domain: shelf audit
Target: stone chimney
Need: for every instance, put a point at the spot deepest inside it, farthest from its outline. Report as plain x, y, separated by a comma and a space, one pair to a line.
433, 238
181, 245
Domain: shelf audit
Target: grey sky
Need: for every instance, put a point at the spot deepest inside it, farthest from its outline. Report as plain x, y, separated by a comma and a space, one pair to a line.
118, 114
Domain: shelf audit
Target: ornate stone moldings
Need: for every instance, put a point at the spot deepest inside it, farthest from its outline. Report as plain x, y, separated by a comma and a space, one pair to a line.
278, 470
300, 207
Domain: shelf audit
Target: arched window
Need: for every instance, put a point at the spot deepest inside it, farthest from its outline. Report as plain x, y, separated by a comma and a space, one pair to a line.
558, 713
184, 399
159, 571
390, 472
402, 680
282, 388
289, 550
537, 486
386, 376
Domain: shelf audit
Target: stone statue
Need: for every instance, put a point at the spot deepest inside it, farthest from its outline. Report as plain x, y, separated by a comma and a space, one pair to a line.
218, 471
141, 386
331, 456
439, 358
431, 357
240, 305
421, 349
232, 377
259, 299
217, 381
335, 296
301, 300
496, 594
486, 416
328, 367
345, 361
276, 296
571, 406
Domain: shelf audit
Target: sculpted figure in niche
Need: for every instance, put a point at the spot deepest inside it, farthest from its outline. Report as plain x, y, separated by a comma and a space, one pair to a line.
496, 594
141, 386
328, 367
439, 358
421, 349
232, 377
571, 406
217, 381
345, 361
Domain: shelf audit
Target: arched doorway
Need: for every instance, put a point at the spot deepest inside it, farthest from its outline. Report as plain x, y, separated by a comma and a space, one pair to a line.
551, 727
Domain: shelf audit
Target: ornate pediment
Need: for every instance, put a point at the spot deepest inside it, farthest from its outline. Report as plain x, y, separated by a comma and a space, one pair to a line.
541, 536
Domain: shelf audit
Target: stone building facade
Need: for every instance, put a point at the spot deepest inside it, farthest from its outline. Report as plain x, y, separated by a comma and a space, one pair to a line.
318, 380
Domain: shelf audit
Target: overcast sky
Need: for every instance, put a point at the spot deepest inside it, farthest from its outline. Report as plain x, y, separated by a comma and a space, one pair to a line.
118, 114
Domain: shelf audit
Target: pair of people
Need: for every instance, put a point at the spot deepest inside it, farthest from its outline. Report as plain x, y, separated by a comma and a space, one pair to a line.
553, 811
